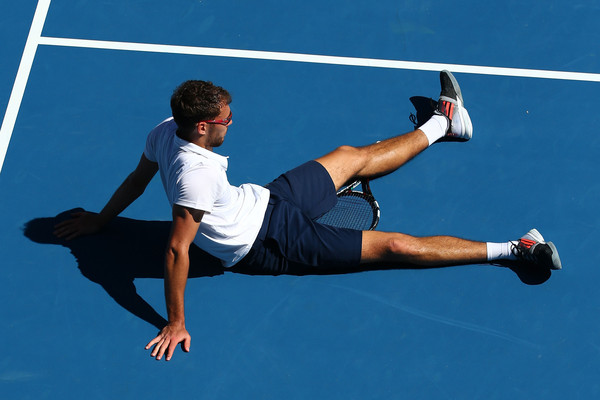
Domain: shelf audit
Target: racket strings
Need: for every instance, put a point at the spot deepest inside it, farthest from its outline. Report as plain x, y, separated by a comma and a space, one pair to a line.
354, 210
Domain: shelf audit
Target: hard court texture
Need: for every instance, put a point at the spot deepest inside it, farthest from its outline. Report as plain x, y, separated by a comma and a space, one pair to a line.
76, 316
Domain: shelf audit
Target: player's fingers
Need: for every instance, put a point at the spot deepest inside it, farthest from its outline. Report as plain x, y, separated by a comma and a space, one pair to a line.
156, 343
61, 224
171, 350
59, 232
157, 348
162, 347
152, 342
62, 227
68, 222
186, 344
66, 228
73, 235
63, 233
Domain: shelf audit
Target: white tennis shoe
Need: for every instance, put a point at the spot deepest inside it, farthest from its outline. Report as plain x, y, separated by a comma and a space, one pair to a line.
533, 250
451, 105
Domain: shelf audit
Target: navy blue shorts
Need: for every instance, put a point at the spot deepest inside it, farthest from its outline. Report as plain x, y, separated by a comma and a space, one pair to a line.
290, 241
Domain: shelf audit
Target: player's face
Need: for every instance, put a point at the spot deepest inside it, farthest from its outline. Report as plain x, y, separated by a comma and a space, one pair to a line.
216, 132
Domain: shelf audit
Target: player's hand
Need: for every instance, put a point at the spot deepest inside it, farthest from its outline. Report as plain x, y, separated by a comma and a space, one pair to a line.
168, 339
81, 223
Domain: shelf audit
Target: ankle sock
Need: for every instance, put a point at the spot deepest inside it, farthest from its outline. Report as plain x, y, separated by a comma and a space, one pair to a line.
435, 128
500, 251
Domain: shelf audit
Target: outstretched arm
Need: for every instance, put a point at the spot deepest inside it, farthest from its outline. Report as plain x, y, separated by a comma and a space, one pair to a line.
85, 223
177, 262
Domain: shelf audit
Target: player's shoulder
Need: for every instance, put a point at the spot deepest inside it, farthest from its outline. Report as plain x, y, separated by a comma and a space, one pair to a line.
168, 126
161, 134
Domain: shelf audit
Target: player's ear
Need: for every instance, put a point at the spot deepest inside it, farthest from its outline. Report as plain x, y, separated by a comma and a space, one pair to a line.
201, 128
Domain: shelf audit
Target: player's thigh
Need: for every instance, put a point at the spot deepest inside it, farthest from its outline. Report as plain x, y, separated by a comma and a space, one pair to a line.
308, 187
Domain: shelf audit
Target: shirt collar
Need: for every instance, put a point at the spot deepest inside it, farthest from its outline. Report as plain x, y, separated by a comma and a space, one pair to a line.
194, 148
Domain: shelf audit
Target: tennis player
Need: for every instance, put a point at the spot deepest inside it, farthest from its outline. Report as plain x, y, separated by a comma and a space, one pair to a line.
271, 229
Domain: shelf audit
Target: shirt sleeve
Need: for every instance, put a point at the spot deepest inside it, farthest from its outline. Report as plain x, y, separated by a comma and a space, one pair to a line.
199, 188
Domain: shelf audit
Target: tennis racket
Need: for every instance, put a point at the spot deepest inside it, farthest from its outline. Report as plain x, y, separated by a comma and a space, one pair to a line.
354, 209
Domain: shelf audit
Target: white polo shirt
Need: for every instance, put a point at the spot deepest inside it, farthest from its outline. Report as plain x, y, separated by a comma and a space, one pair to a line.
196, 178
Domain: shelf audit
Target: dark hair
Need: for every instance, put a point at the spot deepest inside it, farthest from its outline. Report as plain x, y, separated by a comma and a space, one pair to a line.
195, 101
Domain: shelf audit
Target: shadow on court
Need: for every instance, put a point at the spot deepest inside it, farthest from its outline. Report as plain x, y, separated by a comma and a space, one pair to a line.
128, 249
125, 250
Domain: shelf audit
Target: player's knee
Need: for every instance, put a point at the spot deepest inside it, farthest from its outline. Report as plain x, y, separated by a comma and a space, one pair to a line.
347, 150
344, 164
389, 247
402, 246
354, 155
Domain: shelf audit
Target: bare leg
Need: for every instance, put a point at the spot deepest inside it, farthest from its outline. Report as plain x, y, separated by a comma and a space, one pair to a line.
398, 248
347, 162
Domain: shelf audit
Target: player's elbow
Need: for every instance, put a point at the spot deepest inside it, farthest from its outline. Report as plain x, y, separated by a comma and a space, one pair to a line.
176, 250
136, 184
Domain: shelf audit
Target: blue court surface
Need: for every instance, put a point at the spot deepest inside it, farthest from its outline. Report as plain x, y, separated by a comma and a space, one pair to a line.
84, 83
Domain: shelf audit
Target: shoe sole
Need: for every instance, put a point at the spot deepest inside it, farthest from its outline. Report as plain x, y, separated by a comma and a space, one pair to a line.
534, 234
468, 125
556, 264
463, 115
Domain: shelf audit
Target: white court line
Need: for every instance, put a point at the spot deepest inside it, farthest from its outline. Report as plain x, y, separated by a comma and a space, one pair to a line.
318, 59
18, 90
34, 39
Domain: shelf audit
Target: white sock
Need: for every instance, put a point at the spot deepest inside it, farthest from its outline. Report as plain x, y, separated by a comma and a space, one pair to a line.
435, 128
500, 251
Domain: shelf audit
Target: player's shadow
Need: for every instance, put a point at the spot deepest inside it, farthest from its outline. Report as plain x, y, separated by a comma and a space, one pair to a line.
128, 249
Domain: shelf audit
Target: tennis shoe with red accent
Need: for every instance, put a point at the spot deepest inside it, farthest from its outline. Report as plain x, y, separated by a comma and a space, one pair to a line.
531, 249
451, 105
